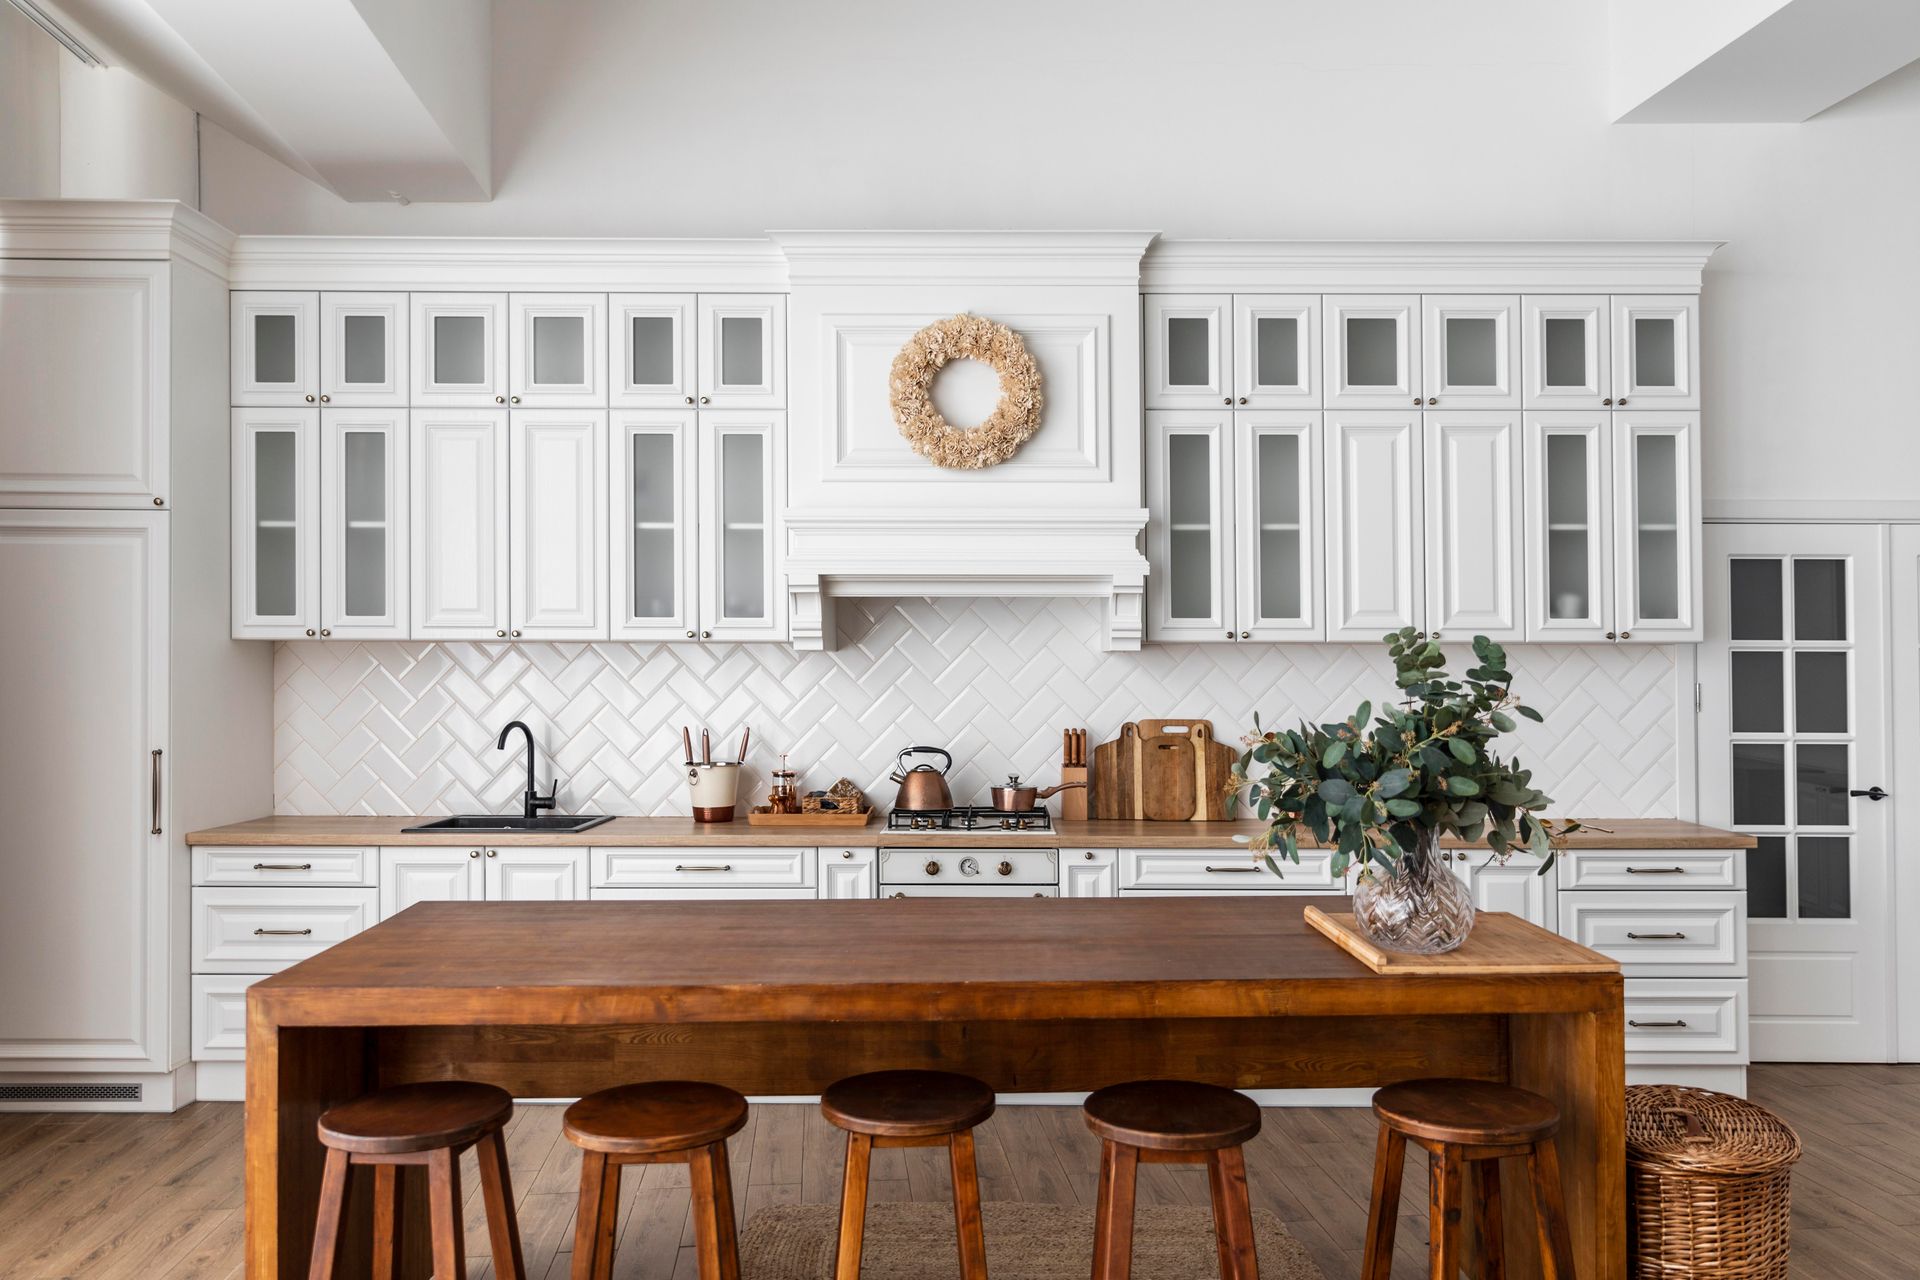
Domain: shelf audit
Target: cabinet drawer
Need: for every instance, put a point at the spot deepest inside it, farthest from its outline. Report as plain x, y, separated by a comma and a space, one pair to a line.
1653, 869
282, 865
263, 930
1656, 935
1673, 1020
714, 893
689, 868
220, 1016
1230, 869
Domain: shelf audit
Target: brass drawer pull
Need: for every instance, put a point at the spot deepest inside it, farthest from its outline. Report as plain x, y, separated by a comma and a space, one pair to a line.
1248, 871
1656, 937
1656, 871
283, 866
1677, 1022
156, 792
726, 866
281, 933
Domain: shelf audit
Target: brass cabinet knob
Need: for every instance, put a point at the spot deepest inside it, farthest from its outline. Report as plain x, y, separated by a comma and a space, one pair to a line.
704, 400
1006, 868
1228, 400
1626, 635
1246, 635
1623, 402
499, 399
1089, 855
706, 635
689, 635
473, 853
846, 853
501, 634
325, 398
309, 399
1612, 636
309, 630
933, 868
1416, 400
159, 502
1419, 635
493, 853
1243, 399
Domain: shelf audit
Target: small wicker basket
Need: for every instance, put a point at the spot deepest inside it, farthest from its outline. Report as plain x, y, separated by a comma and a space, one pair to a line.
1707, 1185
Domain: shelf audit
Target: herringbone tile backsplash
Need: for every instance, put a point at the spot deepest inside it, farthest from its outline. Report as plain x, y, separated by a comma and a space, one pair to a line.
405, 728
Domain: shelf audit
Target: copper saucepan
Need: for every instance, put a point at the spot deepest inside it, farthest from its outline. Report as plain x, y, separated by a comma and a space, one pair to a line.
1015, 796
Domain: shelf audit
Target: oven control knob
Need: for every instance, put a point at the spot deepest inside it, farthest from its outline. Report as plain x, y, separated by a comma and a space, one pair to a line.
933, 868
1006, 868
969, 866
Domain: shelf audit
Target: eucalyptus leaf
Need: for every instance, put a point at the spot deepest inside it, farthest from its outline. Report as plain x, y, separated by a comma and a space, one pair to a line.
1461, 785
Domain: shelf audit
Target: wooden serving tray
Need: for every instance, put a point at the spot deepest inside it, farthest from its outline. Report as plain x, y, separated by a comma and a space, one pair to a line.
820, 818
1501, 943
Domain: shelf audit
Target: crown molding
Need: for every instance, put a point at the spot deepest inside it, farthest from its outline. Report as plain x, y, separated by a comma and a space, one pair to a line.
428, 263
125, 230
1430, 266
1039, 258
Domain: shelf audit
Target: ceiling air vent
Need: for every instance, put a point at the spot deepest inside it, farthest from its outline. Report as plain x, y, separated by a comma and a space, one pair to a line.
69, 1093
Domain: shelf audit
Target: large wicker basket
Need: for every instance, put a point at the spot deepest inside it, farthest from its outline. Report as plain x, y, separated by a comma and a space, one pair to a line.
1707, 1185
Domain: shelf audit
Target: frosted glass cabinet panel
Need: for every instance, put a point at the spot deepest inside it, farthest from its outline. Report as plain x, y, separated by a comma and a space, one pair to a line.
363, 350
275, 357
363, 524
651, 353
742, 351
1372, 350
557, 354
1375, 524
1656, 478
742, 461
557, 527
655, 550
276, 521
1189, 351
1566, 351
1278, 484
1569, 514
1472, 465
459, 349
1656, 352
457, 506
1472, 351
1189, 547
1276, 358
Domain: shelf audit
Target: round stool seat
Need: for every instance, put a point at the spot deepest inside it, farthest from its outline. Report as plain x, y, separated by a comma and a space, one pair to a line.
645, 1119
416, 1117
1172, 1115
907, 1104
1470, 1113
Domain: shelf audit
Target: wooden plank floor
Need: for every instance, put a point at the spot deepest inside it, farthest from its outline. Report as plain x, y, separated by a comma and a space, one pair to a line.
108, 1197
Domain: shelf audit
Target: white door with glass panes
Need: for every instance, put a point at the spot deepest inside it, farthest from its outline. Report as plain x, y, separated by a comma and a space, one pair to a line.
1471, 351
742, 351
1278, 480
1793, 750
276, 523
1189, 350
1905, 819
458, 517
742, 465
1372, 350
1276, 355
1376, 533
654, 461
651, 352
363, 350
1568, 555
556, 351
363, 524
275, 356
1656, 495
1472, 466
1656, 352
1566, 351
1189, 547
459, 350
557, 527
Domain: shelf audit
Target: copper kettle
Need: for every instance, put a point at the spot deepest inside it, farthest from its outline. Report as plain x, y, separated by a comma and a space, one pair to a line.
922, 786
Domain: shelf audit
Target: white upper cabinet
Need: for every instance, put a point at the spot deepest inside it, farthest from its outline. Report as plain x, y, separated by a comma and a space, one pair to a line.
459, 350
276, 348
1656, 352
276, 523
1276, 354
1472, 464
1189, 531
1372, 350
742, 488
1471, 352
1656, 489
557, 351
363, 524
1375, 524
458, 510
651, 351
1278, 482
363, 350
557, 523
743, 351
1567, 351
1569, 513
655, 548
1188, 351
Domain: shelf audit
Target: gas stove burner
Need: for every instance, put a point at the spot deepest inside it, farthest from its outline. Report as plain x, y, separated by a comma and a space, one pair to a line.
975, 819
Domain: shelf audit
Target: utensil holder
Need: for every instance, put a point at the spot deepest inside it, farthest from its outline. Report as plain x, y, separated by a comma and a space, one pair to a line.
714, 788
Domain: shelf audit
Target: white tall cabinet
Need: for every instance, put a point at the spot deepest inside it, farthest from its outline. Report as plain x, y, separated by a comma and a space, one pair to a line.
138, 716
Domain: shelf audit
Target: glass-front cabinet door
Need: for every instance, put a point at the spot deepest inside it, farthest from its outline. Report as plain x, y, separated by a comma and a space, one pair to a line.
363, 350
1569, 514
1375, 524
1189, 350
1472, 465
1189, 546
1471, 355
276, 511
1278, 483
557, 353
275, 339
1276, 357
1656, 352
1372, 350
457, 508
742, 351
1656, 488
363, 524
459, 350
741, 465
651, 351
556, 524
655, 549
1566, 351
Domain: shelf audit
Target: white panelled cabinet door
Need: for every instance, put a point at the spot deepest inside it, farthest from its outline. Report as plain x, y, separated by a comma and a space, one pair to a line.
557, 533
1471, 346
655, 544
1189, 547
1656, 490
1089, 873
363, 524
1568, 505
742, 351
363, 350
275, 338
1566, 351
1278, 481
1473, 538
1656, 352
276, 523
459, 350
1375, 524
849, 873
1372, 350
651, 355
1276, 353
1513, 885
1189, 350
458, 514
742, 463
557, 352
535, 875
411, 875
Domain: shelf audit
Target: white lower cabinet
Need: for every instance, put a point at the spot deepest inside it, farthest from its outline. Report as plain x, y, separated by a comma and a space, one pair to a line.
468, 874
713, 893
263, 930
1514, 885
705, 867
220, 1015
1089, 873
535, 875
849, 873
1235, 869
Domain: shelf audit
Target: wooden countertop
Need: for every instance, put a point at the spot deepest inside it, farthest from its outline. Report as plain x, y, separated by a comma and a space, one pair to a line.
1604, 833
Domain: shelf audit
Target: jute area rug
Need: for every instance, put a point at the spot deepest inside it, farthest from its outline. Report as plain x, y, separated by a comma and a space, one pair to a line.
908, 1241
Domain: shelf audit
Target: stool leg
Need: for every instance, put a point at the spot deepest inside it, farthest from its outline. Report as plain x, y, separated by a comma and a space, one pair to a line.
443, 1200
496, 1188
1232, 1214
1550, 1212
1113, 1215
1488, 1225
718, 1252
966, 1207
609, 1221
332, 1220
1443, 1213
589, 1214
387, 1226
1383, 1213
853, 1207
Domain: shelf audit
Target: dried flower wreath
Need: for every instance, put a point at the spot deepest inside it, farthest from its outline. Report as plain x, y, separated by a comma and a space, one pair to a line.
1013, 421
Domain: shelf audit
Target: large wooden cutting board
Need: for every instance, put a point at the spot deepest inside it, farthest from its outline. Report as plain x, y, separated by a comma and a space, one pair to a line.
1167, 782
1212, 763
1501, 943
1112, 783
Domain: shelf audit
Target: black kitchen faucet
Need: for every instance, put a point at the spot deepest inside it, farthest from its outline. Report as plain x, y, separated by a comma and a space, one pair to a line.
533, 802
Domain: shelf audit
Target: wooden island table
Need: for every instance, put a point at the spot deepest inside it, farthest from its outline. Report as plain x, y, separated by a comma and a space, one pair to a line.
554, 1000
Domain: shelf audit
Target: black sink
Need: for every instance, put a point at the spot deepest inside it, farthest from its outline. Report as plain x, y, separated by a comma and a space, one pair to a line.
561, 823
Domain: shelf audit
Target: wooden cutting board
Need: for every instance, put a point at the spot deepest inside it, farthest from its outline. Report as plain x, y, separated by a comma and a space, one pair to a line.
1500, 943
1212, 764
1167, 780
1114, 795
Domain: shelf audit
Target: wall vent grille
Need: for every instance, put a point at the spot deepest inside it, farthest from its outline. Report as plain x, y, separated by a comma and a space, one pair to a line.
70, 1092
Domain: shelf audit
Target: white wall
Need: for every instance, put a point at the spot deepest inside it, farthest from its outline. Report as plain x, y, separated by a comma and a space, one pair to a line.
29, 108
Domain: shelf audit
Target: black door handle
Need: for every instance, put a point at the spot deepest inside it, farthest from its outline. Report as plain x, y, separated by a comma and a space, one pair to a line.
1871, 793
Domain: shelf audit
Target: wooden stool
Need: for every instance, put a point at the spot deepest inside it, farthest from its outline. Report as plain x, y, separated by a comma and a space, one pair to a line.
909, 1109
426, 1124
1460, 1123
1172, 1122
666, 1122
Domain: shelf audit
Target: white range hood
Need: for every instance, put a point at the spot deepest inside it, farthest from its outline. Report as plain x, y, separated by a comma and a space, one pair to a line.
866, 516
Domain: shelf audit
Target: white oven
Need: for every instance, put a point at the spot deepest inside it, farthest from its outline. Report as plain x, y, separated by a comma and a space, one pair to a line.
969, 873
